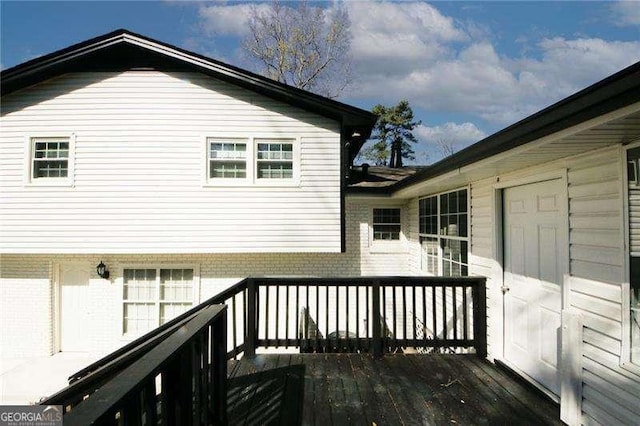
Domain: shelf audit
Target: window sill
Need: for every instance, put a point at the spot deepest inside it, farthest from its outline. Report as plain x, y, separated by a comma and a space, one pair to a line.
389, 247
47, 183
222, 183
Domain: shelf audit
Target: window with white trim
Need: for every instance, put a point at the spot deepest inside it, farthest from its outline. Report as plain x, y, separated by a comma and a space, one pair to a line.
274, 159
386, 224
50, 159
443, 232
633, 175
153, 296
261, 161
227, 158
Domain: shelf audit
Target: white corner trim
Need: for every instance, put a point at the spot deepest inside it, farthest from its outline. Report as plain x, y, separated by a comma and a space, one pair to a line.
571, 368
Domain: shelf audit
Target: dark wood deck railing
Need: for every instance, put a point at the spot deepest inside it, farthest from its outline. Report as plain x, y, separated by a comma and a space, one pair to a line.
85, 382
180, 381
379, 315
177, 371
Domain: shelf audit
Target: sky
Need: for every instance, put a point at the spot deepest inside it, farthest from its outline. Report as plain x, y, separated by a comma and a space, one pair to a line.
468, 69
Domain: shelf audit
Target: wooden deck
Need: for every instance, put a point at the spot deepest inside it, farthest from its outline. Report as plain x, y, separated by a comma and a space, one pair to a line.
356, 389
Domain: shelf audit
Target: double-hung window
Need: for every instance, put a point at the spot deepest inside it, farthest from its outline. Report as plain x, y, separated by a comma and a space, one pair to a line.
227, 159
153, 296
443, 230
386, 224
274, 159
51, 160
252, 160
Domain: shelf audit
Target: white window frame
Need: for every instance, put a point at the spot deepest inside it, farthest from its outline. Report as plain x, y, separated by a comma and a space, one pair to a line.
439, 238
373, 224
627, 361
388, 246
247, 159
252, 142
30, 142
195, 293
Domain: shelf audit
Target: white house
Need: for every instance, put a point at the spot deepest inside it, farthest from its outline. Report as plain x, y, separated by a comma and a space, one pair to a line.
182, 175
548, 210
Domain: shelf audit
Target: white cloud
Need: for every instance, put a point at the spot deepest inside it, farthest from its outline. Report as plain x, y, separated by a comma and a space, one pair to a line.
411, 50
626, 13
224, 19
479, 81
462, 134
391, 37
449, 137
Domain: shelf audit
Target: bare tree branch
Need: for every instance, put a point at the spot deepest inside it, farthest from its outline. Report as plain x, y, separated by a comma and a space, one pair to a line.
306, 47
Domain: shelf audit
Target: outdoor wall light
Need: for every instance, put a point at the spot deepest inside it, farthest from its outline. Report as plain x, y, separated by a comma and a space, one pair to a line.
101, 269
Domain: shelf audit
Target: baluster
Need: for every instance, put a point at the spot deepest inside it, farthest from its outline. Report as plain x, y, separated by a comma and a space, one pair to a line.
445, 334
424, 316
434, 313
297, 314
377, 332
465, 314
455, 311
403, 290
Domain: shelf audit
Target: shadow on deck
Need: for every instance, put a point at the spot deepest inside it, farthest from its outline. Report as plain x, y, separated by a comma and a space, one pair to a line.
357, 389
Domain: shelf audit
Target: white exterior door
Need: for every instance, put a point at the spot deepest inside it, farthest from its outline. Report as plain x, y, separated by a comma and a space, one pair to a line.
534, 238
74, 302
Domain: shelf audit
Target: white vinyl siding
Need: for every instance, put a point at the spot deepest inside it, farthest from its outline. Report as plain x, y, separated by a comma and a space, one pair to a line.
596, 254
140, 164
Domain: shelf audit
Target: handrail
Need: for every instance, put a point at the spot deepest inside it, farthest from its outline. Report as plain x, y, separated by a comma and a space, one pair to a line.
90, 378
188, 351
85, 385
124, 350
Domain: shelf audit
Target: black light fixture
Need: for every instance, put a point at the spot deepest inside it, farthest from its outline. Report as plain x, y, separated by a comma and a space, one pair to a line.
101, 269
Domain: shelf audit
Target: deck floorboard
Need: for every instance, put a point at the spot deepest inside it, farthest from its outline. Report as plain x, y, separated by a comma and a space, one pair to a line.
403, 389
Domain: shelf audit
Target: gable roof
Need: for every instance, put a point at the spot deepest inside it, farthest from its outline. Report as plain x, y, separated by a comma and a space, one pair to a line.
614, 93
122, 50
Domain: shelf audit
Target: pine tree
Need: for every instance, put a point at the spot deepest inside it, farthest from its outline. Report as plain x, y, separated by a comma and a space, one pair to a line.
393, 134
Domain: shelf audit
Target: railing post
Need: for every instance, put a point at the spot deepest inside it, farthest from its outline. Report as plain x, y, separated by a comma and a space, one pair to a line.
479, 294
219, 332
377, 320
251, 326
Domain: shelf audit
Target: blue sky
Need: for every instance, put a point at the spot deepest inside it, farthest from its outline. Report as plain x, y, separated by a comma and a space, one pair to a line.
467, 68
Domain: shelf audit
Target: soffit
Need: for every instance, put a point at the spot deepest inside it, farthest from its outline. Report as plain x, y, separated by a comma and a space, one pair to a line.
581, 139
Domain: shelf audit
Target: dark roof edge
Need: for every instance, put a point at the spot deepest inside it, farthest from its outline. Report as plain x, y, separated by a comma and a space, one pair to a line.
361, 116
614, 92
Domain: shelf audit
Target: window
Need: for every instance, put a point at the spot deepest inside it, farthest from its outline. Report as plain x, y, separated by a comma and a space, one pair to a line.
274, 160
251, 161
227, 159
153, 296
633, 161
443, 226
50, 160
386, 224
